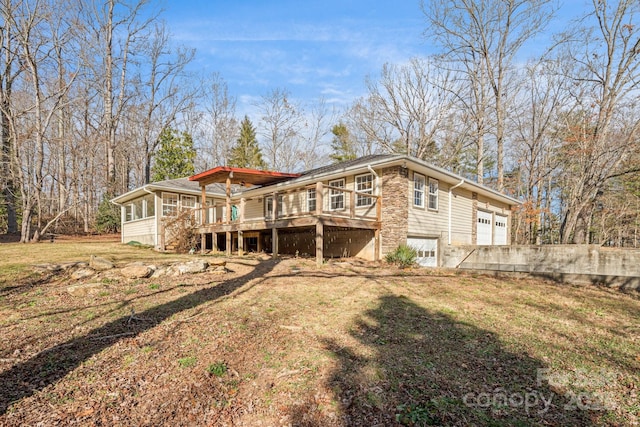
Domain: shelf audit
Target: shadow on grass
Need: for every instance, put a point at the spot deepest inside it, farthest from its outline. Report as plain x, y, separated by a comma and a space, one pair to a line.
49, 366
415, 367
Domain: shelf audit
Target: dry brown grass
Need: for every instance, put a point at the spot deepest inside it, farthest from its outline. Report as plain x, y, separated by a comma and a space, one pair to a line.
348, 344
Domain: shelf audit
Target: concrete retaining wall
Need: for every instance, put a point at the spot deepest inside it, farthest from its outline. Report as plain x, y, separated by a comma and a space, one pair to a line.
564, 263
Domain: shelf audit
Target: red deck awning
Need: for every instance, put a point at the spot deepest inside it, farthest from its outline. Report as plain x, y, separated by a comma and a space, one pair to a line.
241, 176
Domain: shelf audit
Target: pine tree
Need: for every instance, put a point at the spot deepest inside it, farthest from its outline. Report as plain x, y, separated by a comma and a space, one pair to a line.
246, 153
175, 157
342, 145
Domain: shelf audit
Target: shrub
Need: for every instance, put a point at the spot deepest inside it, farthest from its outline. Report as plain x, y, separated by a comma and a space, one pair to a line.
180, 232
403, 256
108, 216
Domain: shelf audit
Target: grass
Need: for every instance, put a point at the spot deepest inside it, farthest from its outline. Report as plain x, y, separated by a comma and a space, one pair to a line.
340, 345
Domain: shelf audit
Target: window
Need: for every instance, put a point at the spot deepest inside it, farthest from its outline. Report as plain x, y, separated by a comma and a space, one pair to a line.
137, 209
128, 212
311, 199
268, 206
188, 202
364, 184
418, 190
336, 197
150, 205
433, 194
169, 204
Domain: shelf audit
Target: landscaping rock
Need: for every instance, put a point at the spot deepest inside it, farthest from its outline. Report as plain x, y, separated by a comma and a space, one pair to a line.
100, 264
136, 271
191, 267
47, 267
159, 272
82, 273
86, 289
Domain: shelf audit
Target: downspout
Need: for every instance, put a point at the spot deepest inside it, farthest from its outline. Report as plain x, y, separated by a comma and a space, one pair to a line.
450, 196
378, 249
377, 179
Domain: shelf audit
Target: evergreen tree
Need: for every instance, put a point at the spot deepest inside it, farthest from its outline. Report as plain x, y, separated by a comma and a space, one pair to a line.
246, 153
342, 144
175, 157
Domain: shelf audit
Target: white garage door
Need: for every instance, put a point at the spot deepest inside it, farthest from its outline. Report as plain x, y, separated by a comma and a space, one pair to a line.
500, 230
427, 250
484, 227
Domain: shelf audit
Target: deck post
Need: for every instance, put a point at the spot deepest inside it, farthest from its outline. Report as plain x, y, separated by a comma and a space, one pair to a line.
319, 204
274, 242
352, 204
274, 206
240, 243
203, 205
203, 243
376, 242
228, 197
228, 249
214, 242
319, 243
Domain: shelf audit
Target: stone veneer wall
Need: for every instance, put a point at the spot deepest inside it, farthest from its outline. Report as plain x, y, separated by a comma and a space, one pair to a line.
395, 205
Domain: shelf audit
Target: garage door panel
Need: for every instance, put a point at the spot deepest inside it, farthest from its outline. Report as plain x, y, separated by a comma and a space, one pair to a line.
500, 230
484, 228
427, 250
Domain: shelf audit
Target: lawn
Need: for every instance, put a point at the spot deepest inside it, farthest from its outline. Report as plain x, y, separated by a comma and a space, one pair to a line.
281, 342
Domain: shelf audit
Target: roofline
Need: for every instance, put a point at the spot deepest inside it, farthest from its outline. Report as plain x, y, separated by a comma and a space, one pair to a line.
393, 160
148, 188
230, 169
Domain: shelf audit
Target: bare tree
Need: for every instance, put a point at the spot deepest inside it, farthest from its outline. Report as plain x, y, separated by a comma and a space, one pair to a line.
414, 100
9, 72
114, 28
34, 24
369, 132
484, 37
317, 125
280, 125
534, 122
165, 93
221, 126
599, 141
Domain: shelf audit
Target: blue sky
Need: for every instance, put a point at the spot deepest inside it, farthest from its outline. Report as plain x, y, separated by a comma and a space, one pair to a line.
311, 48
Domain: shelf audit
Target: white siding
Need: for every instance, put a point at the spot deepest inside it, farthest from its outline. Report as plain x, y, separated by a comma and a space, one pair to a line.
140, 231
254, 209
461, 217
427, 222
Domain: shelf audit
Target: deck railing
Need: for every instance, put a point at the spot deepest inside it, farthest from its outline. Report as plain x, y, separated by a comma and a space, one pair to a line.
314, 200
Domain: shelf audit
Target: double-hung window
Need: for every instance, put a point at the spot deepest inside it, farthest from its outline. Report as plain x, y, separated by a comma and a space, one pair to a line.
364, 184
433, 194
336, 196
169, 204
311, 200
268, 206
418, 190
188, 202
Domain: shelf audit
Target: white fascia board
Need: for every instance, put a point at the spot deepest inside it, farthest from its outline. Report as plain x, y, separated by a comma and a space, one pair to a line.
326, 176
149, 188
452, 178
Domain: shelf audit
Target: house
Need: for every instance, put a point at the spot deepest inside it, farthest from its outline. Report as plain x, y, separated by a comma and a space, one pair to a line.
364, 208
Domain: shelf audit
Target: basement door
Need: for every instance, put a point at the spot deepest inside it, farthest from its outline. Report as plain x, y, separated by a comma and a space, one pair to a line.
500, 230
427, 250
484, 228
